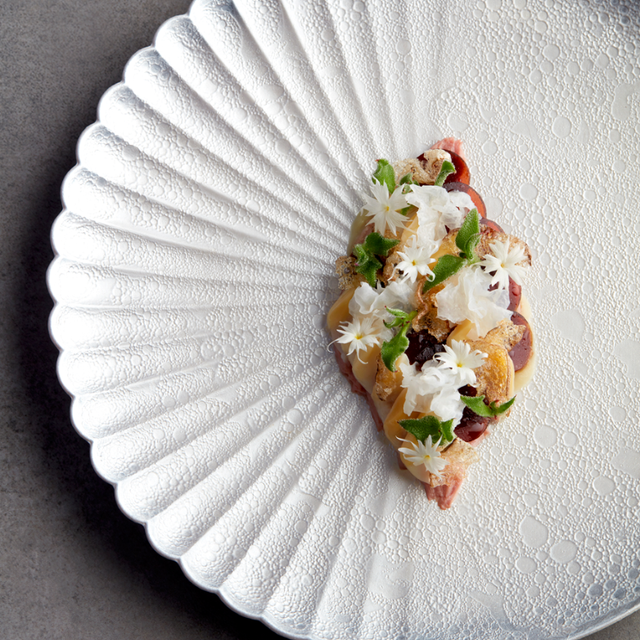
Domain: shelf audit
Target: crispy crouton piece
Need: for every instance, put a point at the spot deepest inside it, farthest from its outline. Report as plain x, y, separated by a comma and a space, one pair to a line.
496, 375
423, 171
388, 383
427, 317
506, 334
346, 272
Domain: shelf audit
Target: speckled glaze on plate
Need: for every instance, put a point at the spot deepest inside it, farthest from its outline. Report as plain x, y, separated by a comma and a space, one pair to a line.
194, 268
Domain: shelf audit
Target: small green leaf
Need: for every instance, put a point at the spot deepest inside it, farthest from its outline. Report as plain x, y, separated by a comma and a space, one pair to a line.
368, 265
384, 174
378, 244
447, 169
503, 407
399, 318
394, 348
446, 266
447, 431
407, 179
469, 228
477, 405
429, 426
470, 248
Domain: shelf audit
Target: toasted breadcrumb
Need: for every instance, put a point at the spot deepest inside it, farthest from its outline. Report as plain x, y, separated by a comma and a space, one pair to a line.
388, 383
346, 271
494, 379
427, 317
506, 334
424, 170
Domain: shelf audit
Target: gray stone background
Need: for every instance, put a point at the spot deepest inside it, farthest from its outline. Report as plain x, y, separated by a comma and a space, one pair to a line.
71, 564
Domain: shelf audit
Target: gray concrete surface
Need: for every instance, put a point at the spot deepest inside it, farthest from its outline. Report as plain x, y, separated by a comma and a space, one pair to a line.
71, 565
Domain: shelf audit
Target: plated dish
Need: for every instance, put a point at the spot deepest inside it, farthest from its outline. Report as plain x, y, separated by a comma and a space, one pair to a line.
432, 327
193, 277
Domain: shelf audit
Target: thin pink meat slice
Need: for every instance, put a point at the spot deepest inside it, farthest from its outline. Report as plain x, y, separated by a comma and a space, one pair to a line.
450, 144
445, 494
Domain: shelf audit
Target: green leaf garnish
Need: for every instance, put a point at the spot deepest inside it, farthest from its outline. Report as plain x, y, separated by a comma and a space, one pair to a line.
385, 174
478, 406
446, 169
467, 240
446, 266
368, 265
470, 248
429, 426
407, 179
503, 407
470, 227
394, 348
374, 245
399, 318
378, 244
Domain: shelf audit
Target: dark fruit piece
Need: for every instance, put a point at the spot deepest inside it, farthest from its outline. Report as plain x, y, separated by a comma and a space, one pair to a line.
515, 295
522, 350
422, 347
473, 194
462, 173
472, 426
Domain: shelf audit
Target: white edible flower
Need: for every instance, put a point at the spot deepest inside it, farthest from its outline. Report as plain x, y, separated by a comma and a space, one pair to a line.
466, 296
384, 208
504, 263
425, 453
360, 334
416, 259
433, 389
369, 302
462, 361
437, 210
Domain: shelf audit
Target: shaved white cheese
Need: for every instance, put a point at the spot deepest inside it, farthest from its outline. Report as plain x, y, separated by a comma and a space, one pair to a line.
466, 297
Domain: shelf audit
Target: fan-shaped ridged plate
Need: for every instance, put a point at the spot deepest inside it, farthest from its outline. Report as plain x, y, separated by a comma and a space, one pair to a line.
194, 270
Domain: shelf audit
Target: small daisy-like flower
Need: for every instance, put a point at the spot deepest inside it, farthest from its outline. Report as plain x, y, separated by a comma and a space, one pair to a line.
416, 260
425, 453
384, 208
462, 361
504, 262
360, 334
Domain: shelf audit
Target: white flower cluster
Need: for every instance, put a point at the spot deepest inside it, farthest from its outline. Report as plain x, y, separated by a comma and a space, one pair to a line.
435, 388
368, 309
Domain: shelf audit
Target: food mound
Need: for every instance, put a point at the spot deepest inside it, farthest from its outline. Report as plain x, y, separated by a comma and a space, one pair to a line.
431, 326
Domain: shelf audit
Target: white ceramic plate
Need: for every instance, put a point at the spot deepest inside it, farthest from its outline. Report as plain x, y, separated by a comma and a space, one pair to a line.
194, 270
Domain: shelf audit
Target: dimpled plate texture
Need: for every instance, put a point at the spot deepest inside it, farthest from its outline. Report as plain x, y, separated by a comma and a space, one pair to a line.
194, 271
